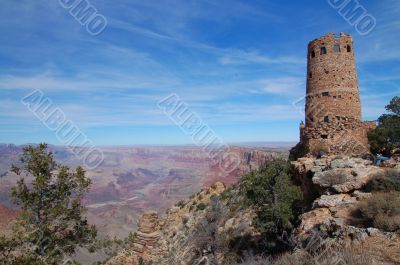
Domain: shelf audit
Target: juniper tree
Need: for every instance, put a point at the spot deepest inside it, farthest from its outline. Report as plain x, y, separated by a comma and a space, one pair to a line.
272, 194
52, 224
386, 136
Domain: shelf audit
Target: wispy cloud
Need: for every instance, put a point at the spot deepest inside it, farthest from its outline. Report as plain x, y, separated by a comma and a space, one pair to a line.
234, 62
284, 86
381, 45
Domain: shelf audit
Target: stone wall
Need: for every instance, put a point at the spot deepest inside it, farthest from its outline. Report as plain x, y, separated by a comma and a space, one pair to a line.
332, 85
348, 136
333, 107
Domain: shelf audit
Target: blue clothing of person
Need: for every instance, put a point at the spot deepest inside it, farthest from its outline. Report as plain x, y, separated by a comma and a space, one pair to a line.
379, 159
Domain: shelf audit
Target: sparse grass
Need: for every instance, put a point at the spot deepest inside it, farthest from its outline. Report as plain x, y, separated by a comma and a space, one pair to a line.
348, 256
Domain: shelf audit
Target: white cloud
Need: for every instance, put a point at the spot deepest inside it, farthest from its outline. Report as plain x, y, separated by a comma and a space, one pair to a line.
284, 86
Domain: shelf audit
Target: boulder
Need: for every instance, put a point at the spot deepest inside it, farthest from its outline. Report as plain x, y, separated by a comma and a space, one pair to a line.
344, 180
361, 195
333, 200
313, 219
343, 163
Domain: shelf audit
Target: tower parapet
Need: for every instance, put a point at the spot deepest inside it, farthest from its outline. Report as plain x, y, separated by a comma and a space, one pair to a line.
333, 108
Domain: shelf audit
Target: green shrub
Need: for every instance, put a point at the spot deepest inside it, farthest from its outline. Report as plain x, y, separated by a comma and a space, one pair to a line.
383, 209
387, 134
130, 240
271, 192
226, 193
52, 223
180, 204
213, 197
201, 206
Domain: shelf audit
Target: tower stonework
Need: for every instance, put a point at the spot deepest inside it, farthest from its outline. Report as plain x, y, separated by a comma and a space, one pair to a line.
333, 109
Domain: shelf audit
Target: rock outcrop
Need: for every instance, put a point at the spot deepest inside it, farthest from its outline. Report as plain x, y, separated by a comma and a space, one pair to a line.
249, 159
186, 233
205, 228
147, 244
334, 186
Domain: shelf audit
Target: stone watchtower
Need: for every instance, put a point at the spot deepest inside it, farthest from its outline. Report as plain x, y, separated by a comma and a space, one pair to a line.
333, 108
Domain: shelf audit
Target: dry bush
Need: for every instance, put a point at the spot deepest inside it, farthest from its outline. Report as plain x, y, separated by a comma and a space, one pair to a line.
389, 180
383, 209
387, 223
348, 256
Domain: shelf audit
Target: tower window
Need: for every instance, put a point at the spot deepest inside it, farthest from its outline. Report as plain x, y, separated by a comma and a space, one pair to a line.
324, 136
348, 48
326, 119
336, 48
310, 75
323, 50
312, 54
325, 94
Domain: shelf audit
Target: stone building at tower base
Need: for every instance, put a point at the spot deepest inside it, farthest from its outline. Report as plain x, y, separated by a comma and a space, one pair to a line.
347, 136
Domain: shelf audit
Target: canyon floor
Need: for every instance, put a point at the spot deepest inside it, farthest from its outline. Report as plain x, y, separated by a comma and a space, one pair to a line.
132, 180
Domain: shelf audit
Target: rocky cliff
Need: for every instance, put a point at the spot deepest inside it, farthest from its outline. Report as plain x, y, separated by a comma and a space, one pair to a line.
249, 159
200, 230
335, 187
212, 225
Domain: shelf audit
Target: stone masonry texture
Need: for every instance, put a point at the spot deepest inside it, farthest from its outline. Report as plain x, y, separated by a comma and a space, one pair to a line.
333, 108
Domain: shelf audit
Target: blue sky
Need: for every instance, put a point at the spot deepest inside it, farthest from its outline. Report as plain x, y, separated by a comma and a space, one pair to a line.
240, 65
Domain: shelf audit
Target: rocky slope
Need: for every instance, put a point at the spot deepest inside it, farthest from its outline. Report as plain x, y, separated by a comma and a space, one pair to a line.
335, 186
199, 230
211, 225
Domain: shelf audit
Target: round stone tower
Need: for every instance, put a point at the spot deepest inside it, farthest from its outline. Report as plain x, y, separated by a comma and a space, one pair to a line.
333, 108
332, 85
